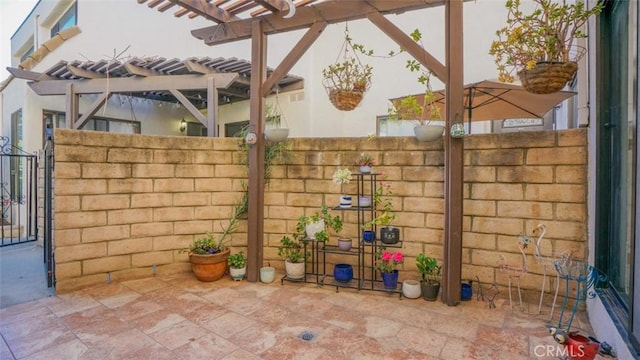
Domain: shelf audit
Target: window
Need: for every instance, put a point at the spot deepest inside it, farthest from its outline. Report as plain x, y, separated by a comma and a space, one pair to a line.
235, 129
617, 162
56, 120
26, 54
68, 19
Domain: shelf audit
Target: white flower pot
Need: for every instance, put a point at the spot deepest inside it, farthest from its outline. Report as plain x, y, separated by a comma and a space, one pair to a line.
267, 274
294, 270
314, 228
428, 132
411, 289
237, 274
277, 135
345, 201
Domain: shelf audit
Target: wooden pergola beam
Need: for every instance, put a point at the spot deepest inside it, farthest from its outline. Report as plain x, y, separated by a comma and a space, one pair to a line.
410, 46
87, 74
207, 10
150, 83
333, 11
27, 74
255, 188
293, 56
189, 106
93, 108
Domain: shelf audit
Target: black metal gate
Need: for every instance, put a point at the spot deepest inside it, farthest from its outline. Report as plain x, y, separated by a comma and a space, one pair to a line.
48, 212
19, 194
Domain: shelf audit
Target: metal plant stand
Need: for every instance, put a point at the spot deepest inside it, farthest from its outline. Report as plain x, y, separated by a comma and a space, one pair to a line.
586, 278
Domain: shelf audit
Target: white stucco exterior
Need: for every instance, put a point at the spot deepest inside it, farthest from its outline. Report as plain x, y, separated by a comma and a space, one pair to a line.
108, 28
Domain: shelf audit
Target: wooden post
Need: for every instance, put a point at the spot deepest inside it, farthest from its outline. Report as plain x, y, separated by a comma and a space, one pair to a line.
453, 154
255, 229
72, 107
212, 107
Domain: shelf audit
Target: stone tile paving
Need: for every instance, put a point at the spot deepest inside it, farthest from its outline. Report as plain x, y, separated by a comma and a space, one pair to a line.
177, 317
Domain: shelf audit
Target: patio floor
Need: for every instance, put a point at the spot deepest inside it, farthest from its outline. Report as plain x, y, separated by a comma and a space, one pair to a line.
177, 317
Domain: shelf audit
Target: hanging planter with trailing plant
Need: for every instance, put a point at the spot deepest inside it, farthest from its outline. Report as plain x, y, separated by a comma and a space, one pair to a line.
541, 46
347, 79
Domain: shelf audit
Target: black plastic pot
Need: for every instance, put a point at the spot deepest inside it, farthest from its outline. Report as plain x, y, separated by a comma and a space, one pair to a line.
389, 235
430, 290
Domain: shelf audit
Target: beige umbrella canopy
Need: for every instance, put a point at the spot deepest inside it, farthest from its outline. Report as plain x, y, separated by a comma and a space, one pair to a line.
490, 100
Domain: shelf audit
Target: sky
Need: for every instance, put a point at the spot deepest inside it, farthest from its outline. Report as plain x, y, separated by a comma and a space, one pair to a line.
12, 13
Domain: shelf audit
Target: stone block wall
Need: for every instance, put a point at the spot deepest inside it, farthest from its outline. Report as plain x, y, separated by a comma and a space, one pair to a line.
126, 204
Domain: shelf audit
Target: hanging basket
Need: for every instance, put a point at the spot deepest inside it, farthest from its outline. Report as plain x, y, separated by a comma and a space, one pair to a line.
346, 80
345, 100
547, 78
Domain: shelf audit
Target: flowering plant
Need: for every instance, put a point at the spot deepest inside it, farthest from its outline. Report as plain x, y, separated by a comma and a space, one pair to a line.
387, 261
342, 176
365, 160
547, 34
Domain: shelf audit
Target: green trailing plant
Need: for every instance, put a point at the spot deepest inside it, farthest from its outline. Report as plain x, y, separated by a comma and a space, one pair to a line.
428, 268
274, 153
547, 34
384, 214
237, 260
411, 107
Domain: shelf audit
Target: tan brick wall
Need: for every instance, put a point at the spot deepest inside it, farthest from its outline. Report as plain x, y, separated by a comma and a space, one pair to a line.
127, 203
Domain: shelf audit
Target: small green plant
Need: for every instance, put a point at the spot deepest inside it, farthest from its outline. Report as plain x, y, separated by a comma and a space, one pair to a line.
237, 260
333, 222
292, 250
205, 245
429, 268
384, 214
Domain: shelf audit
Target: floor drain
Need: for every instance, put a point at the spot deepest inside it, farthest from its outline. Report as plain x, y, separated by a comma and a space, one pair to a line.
306, 336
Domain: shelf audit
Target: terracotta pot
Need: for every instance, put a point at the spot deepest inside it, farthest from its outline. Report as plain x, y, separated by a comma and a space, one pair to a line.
209, 267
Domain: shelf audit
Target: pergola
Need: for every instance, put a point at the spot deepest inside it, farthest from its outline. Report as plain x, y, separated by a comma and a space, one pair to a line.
196, 83
256, 19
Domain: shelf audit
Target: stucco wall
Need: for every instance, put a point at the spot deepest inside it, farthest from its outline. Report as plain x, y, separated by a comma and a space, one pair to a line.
127, 202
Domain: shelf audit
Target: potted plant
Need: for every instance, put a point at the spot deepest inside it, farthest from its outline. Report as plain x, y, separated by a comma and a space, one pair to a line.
430, 271
273, 126
387, 262
541, 45
314, 227
365, 162
346, 81
341, 177
208, 258
422, 109
384, 213
295, 256
237, 265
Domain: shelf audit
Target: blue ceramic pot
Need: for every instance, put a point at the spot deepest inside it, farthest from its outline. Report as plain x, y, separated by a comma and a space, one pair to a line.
343, 272
466, 292
368, 236
390, 280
